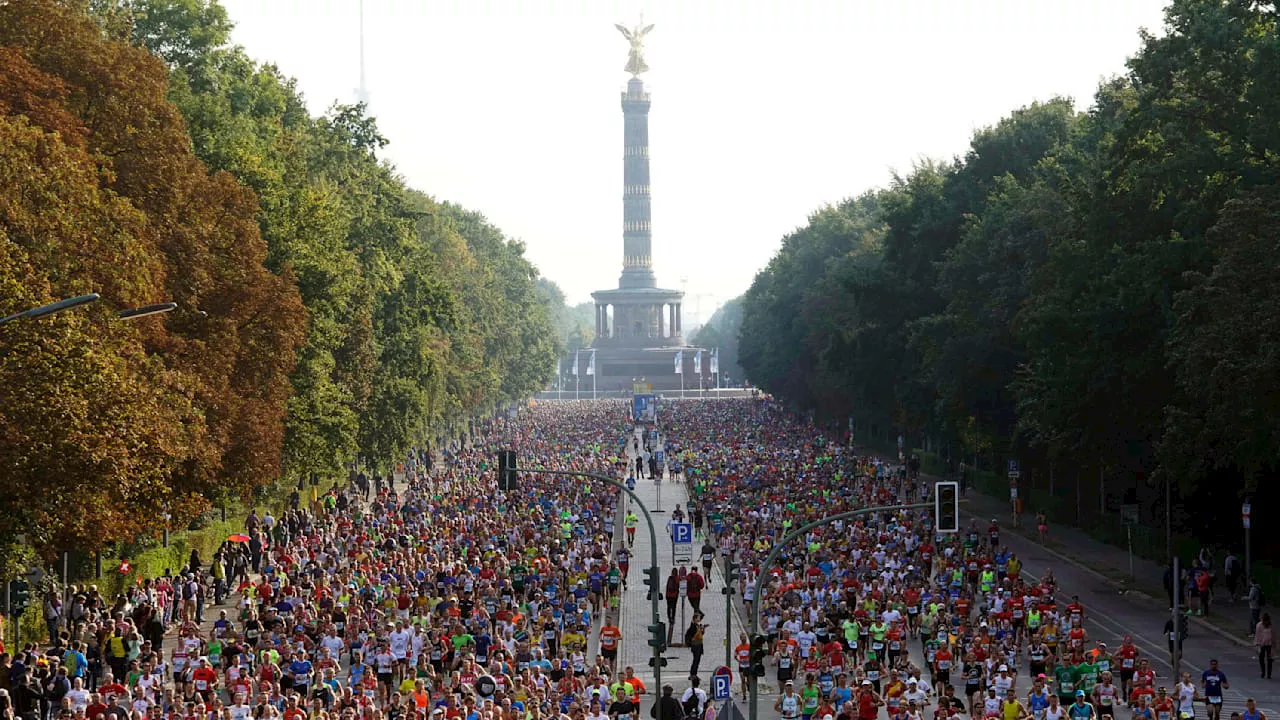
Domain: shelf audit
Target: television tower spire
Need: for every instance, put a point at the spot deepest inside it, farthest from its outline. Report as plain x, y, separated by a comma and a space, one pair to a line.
362, 92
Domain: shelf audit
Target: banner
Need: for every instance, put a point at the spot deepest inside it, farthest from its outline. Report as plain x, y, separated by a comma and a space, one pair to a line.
679, 362
715, 361
645, 408
591, 363
574, 371
697, 362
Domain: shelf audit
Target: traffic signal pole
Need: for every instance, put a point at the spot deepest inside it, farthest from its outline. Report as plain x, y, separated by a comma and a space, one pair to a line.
753, 709
658, 628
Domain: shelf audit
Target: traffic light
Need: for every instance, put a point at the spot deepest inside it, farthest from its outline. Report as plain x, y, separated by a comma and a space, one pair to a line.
651, 579
19, 597
507, 470
946, 506
659, 633
731, 575
759, 650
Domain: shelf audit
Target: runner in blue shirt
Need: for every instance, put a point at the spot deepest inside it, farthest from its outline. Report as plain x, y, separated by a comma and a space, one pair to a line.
1214, 681
1081, 710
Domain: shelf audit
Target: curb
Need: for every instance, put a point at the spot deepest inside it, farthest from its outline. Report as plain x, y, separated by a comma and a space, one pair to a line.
1203, 624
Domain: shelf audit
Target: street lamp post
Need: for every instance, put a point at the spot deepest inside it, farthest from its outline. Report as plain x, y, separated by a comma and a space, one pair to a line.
127, 314
653, 560
52, 308
147, 310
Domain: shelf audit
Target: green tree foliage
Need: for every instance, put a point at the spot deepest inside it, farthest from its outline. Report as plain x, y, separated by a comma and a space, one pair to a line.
420, 313
721, 331
1094, 290
575, 324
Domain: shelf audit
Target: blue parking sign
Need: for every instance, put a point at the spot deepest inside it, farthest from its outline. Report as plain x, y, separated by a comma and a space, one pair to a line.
721, 683
682, 533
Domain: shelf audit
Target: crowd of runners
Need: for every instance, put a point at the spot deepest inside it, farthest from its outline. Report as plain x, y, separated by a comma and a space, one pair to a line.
439, 597
882, 616
442, 597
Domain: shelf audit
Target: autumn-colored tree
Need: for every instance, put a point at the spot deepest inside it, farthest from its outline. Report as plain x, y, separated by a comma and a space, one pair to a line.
101, 192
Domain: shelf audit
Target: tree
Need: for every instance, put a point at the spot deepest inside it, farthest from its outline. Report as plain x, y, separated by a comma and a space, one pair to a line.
721, 332
128, 211
1225, 350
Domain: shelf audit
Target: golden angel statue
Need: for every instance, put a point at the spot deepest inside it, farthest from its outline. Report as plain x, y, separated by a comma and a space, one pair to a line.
635, 61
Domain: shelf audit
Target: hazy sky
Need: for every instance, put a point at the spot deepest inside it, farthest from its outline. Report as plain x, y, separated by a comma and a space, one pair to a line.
763, 110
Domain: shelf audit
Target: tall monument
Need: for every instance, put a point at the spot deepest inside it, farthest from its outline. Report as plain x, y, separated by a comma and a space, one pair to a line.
638, 324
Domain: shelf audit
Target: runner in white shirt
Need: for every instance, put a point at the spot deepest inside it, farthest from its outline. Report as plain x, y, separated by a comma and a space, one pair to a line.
78, 696
332, 645
240, 711
140, 704
1185, 692
917, 693
399, 639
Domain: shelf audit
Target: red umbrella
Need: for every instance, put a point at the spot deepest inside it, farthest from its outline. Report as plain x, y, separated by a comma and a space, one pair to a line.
238, 537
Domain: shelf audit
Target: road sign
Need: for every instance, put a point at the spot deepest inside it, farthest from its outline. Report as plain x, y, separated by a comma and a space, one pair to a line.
1015, 470
682, 543
721, 683
1245, 512
682, 533
1130, 514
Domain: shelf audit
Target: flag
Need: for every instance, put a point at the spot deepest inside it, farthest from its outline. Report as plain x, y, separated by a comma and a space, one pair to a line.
697, 362
715, 361
591, 364
679, 362
125, 567
574, 371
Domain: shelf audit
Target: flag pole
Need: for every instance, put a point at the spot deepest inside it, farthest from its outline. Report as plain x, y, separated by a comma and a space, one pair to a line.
594, 372
577, 377
717, 368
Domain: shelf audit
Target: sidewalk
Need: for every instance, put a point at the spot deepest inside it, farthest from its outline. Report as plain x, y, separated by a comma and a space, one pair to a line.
1109, 563
636, 609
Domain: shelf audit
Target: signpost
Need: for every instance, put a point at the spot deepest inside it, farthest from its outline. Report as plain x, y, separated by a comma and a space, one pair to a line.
1015, 472
1129, 515
681, 543
721, 683
1245, 511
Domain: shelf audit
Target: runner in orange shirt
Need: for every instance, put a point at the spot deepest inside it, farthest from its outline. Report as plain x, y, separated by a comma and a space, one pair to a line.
743, 653
609, 637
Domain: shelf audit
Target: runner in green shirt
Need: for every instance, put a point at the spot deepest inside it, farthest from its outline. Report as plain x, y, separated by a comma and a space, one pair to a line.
810, 696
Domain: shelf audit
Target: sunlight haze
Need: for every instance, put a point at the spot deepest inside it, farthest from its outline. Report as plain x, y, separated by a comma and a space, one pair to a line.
762, 110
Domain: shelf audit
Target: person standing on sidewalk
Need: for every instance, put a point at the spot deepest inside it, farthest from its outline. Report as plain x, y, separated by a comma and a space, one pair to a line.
1264, 639
694, 700
1231, 570
1255, 602
667, 707
693, 638
693, 589
672, 595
